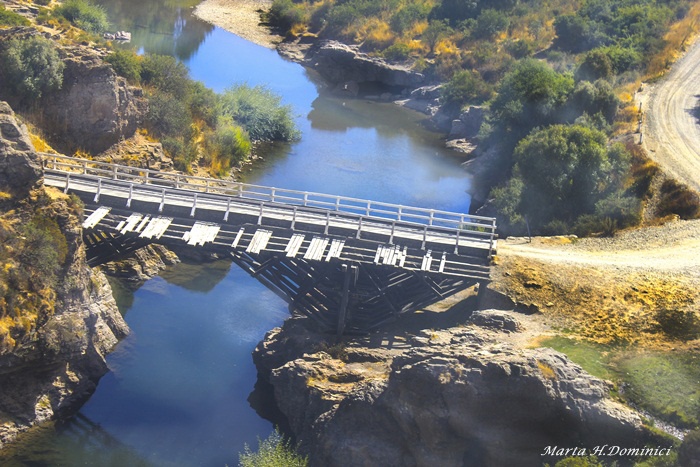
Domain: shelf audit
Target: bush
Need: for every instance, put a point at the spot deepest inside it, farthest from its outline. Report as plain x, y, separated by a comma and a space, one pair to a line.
166, 74
680, 324
44, 250
84, 14
31, 67
230, 145
272, 452
10, 18
126, 63
678, 199
167, 115
397, 52
490, 23
284, 14
531, 94
260, 112
465, 87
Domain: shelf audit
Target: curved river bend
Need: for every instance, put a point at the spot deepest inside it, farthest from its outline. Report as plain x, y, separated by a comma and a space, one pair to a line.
178, 391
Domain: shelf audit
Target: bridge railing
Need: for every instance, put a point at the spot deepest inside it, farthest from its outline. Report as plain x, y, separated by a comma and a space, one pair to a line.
477, 226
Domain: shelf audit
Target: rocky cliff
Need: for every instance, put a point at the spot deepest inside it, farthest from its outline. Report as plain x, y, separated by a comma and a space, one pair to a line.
463, 396
56, 326
93, 109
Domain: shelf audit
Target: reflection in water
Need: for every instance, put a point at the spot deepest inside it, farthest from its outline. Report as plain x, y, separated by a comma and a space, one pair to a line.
197, 277
82, 442
166, 27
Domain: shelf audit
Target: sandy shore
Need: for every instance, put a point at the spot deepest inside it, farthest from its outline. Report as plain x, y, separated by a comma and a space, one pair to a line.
241, 17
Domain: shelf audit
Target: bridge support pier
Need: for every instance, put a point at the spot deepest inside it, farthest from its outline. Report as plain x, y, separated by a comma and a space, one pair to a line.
348, 275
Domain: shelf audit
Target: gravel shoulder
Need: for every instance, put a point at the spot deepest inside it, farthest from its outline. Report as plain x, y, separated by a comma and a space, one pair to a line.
240, 17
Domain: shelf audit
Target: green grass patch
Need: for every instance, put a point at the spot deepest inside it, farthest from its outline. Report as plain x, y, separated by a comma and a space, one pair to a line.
666, 384
594, 358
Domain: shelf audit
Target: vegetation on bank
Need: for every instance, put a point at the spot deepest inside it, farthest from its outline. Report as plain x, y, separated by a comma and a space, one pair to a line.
195, 125
580, 69
33, 253
274, 451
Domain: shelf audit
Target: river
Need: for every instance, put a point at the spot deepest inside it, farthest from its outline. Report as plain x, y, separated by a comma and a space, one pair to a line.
179, 387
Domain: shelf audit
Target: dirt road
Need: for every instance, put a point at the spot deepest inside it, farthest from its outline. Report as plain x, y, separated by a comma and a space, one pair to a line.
672, 120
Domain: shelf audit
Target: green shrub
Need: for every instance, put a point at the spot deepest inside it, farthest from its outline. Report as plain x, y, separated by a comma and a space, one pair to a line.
284, 14
167, 115
272, 452
167, 74
126, 63
406, 17
230, 145
43, 251
626, 211
465, 87
10, 18
260, 112
31, 67
84, 14
490, 23
397, 52
42, 2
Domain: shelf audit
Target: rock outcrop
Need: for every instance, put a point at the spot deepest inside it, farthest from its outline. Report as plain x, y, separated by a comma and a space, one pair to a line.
95, 108
53, 354
339, 63
20, 165
454, 397
141, 265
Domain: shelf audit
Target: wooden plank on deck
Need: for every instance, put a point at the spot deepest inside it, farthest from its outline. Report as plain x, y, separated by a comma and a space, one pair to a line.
238, 237
316, 248
259, 241
201, 233
156, 227
294, 244
94, 218
130, 223
335, 249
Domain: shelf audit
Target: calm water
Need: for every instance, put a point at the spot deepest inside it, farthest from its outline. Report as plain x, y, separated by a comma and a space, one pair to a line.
179, 386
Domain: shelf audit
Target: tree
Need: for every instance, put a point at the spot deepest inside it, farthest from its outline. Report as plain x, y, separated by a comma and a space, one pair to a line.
435, 32
565, 171
596, 64
32, 67
531, 94
490, 23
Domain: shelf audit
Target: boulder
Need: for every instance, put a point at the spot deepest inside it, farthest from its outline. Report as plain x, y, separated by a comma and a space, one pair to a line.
95, 108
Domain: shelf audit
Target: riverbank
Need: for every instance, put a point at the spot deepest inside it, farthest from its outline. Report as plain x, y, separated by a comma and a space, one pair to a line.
240, 17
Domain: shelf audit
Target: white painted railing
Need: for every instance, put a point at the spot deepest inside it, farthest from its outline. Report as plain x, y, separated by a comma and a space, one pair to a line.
362, 210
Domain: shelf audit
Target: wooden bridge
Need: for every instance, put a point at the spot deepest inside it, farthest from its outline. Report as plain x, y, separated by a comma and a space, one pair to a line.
348, 263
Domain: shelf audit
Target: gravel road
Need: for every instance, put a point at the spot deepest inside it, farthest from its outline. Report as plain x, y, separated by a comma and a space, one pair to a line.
671, 125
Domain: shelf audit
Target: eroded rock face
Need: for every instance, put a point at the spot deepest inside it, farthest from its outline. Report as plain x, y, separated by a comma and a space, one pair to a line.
52, 367
20, 166
94, 108
456, 397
